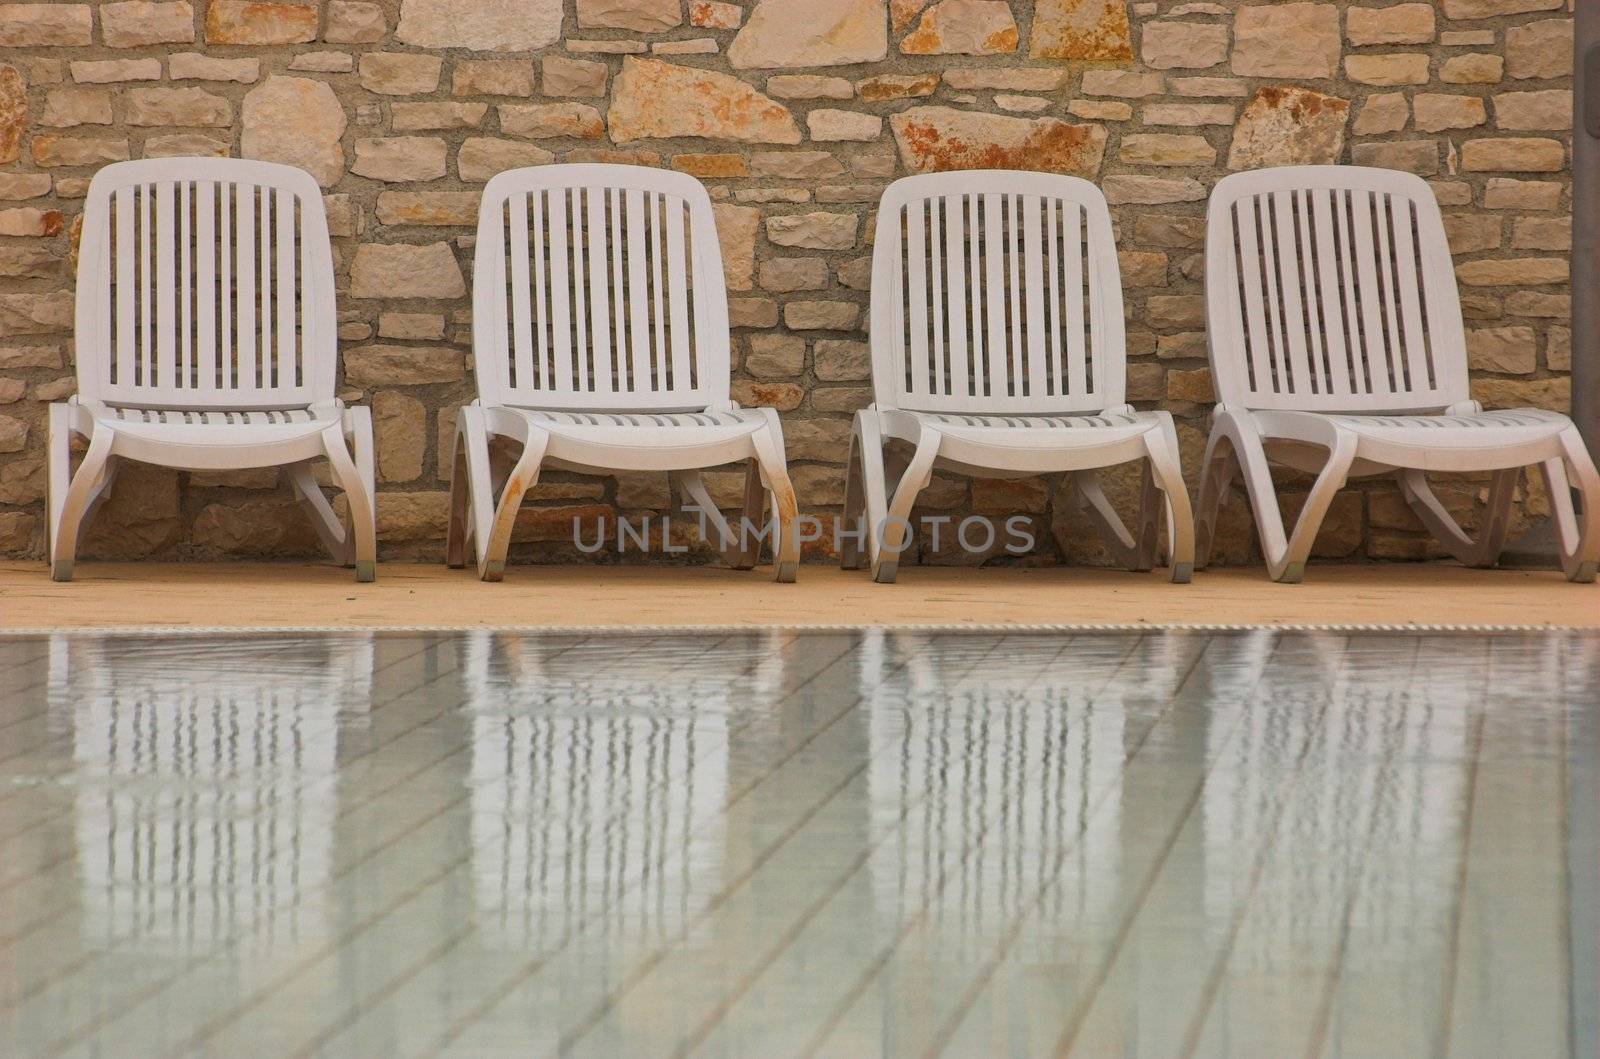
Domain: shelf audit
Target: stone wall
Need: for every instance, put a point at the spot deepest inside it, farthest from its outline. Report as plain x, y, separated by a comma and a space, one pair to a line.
796, 113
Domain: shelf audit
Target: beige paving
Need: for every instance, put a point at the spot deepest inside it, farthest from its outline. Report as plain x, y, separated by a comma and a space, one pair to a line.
301, 594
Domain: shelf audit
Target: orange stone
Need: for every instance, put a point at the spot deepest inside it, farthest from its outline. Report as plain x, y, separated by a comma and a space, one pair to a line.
711, 165
902, 12
896, 86
786, 34
654, 99
941, 139
50, 149
613, 156
245, 22
784, 396
1081, 29
428, 207
549, 120
557, 523
26, 221
13, 113
963, 27
712, 14
1289, 125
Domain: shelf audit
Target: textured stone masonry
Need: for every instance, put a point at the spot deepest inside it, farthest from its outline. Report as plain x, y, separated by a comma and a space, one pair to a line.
796, 113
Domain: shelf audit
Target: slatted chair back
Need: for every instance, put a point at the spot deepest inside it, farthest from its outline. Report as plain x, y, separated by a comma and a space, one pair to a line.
205, 283
1331, 289
996, 292
599, 287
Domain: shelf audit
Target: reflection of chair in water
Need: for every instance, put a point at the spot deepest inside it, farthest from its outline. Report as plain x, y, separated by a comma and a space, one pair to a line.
207, 782
985, 742
599, 769
1375, 809
997, 776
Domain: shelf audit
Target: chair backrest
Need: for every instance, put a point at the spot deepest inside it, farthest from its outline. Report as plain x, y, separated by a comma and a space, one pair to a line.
1331, 289
996, 291
205, 283
599, 287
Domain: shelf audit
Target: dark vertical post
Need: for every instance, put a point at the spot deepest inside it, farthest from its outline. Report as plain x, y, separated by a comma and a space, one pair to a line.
1583, 865
1537, 547
1586, 223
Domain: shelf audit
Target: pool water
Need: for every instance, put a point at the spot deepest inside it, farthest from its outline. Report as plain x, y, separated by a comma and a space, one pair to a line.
781, 843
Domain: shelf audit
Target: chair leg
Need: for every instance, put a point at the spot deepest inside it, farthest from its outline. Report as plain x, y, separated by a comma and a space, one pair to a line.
1502, 495
59, 476
456, 524
746, 549
865, 498
1137, 553
1286, 555
335, 538
855, 508
737, 550
1167, 471
1150, 518
1291, 567
358, 428
896, 527
363, 517
76, 498
471, 490
769, 457
524, 476
1215, 479
100, 494
1579, 534
1485, 551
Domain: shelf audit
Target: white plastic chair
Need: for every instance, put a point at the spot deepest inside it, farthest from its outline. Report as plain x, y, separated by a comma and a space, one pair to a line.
600, 335
998, 350
206, 340
1337, 348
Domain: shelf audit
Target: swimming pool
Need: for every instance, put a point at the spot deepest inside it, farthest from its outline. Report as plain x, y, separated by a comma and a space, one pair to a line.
787, 842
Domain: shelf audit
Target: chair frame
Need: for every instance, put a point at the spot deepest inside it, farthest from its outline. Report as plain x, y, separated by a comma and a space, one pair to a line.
170, 350
483, 511
1335, 434
1098, 387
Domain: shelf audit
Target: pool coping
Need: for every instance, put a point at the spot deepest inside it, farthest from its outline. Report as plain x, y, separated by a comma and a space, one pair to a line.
808, 627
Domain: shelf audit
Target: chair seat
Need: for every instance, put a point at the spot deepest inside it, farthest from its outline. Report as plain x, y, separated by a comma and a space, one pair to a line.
215, 427
1029, 431
648, 429
1473, 430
